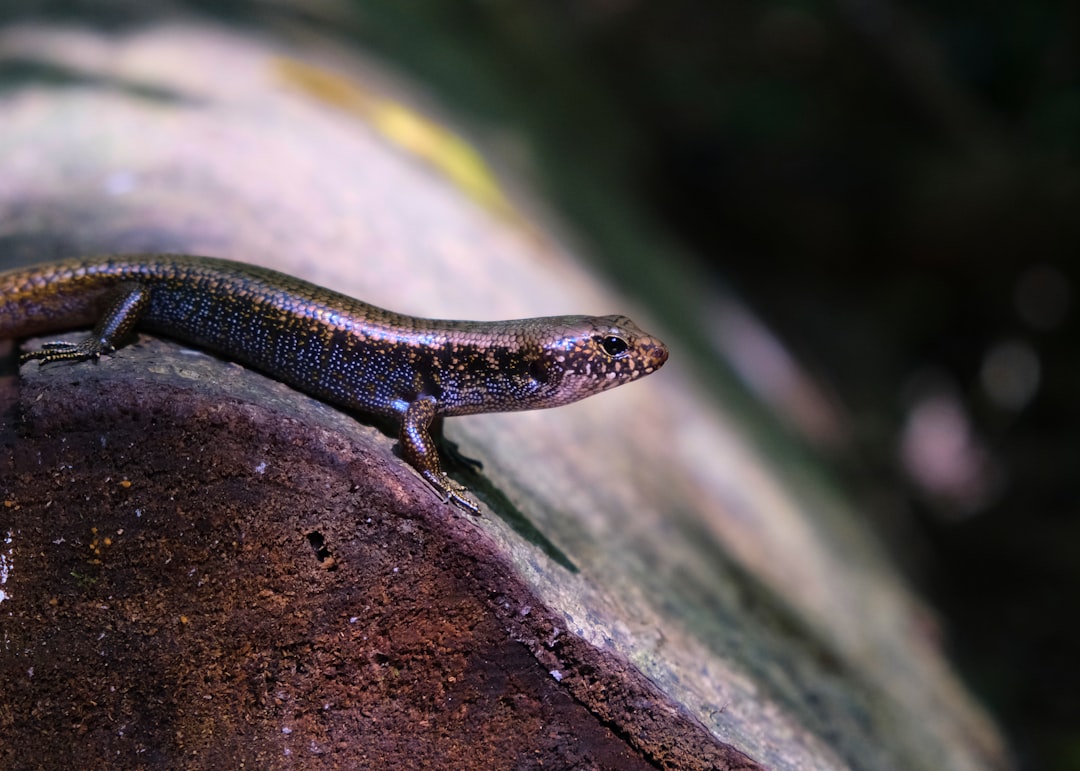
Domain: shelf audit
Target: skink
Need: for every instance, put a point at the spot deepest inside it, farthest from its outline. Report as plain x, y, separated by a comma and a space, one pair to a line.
343, 351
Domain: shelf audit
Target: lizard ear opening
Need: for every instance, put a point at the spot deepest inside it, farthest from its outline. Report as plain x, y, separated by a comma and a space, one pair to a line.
539, 371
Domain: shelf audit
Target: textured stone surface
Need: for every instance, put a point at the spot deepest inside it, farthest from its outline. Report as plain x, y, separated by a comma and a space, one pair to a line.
207, 569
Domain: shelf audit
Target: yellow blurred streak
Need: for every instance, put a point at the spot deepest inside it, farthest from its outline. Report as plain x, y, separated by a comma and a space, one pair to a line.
442, 150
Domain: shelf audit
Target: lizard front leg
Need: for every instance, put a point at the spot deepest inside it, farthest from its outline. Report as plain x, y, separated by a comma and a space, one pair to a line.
420, 451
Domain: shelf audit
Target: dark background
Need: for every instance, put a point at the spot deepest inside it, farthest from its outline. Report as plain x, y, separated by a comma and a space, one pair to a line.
893, 188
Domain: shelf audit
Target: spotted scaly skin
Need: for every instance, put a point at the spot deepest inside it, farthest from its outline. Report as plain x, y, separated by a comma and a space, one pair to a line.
331, 346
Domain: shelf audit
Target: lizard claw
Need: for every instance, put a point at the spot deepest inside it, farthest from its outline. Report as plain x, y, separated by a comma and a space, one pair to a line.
62, 350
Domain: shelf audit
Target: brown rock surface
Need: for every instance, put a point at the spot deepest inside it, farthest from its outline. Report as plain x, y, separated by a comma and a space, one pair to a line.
211, 570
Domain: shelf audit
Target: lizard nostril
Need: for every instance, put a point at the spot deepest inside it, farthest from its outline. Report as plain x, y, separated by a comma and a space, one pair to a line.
659, 354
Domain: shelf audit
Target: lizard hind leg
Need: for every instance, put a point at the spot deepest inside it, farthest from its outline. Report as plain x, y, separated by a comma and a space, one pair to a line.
60, 350
127, 303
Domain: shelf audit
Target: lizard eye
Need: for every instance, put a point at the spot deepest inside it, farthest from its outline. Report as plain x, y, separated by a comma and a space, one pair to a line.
614, 346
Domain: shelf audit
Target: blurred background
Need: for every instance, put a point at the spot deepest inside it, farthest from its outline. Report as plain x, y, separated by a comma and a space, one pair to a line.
881, 197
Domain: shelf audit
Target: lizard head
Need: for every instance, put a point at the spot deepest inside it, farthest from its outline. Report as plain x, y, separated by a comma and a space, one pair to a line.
584, 355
